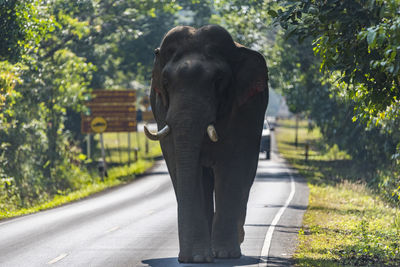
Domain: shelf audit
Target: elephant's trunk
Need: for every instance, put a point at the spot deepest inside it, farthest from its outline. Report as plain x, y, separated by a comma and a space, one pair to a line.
192, 220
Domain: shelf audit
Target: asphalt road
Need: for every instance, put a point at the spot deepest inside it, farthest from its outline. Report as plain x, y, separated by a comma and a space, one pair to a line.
136, 225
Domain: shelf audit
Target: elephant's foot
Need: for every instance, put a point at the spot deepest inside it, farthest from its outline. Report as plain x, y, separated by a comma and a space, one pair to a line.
195, 257
227, 252
226, 241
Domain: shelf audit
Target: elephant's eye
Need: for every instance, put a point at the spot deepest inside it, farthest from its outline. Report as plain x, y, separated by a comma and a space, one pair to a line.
221, 82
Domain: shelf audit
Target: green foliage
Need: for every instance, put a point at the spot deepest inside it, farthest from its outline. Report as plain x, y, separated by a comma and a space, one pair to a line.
387, 183
295, 72
247, 21
121, 37
116, 148
36, 148
23, 25
51, 53
9, 78
197, 11
346, 223
363, 51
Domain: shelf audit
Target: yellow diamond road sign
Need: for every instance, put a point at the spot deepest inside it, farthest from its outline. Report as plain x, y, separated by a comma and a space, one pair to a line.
98, 124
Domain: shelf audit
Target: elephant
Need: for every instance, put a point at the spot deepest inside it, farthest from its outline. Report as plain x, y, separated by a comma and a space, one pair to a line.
209, 95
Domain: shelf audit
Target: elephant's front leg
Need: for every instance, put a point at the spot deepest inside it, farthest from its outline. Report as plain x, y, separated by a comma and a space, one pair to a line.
191, 191
194, 233
232, 187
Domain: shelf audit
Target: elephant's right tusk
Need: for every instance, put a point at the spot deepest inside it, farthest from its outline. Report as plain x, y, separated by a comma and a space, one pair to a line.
156, 136
212, 133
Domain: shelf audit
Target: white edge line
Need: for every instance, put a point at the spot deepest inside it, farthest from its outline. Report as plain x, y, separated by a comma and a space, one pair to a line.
112, 229
60, 257
271, 229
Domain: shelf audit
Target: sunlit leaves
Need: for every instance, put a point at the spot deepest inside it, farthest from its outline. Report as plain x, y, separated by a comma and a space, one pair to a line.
357, 38
9, 78
371, 37
23, 25
76, 27
248, 22
55, 45
36, 93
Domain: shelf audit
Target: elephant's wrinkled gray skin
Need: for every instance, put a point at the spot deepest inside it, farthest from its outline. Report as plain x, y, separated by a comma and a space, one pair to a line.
201, 78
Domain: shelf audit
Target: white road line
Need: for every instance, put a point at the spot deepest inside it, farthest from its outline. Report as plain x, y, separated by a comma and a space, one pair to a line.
150, 212
60, 257
112, 229
271, 229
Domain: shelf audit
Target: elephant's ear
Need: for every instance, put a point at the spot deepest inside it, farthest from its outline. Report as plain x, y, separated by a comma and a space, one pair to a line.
156, 82
251, 74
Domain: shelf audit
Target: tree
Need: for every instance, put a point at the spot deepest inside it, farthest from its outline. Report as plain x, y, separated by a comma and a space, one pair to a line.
35, 149
248, 22
362, 53
54, 46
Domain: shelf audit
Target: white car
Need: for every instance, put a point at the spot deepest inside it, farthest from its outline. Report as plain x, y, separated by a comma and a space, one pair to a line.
265, 144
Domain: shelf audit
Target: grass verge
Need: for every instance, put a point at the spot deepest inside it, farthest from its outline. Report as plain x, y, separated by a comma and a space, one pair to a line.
346, 223
116, 147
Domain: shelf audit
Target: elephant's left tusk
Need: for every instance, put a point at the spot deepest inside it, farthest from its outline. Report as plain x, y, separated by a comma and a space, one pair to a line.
156, 136
212, 133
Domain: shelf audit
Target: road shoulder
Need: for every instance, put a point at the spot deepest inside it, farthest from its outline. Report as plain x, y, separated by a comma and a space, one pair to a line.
285, 237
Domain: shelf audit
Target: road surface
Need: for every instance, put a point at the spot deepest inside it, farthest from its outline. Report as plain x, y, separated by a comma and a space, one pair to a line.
136, 225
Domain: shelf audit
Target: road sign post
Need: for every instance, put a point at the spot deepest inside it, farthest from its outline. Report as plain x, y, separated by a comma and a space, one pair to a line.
99, 125
296, 139
119, 148
146, 144
136, 150
88, 146
129, 148
138, 146
103, 155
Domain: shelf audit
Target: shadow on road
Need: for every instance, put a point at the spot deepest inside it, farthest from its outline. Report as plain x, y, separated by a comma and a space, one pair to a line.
170, 262
279, 228
271, 177
278, 261
156, 173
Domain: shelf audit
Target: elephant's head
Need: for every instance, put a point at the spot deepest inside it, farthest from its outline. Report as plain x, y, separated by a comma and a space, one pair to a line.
199, 77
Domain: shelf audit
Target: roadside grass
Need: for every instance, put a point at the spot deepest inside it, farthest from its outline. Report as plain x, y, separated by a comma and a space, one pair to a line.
116, 147
88, 182
346, 223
